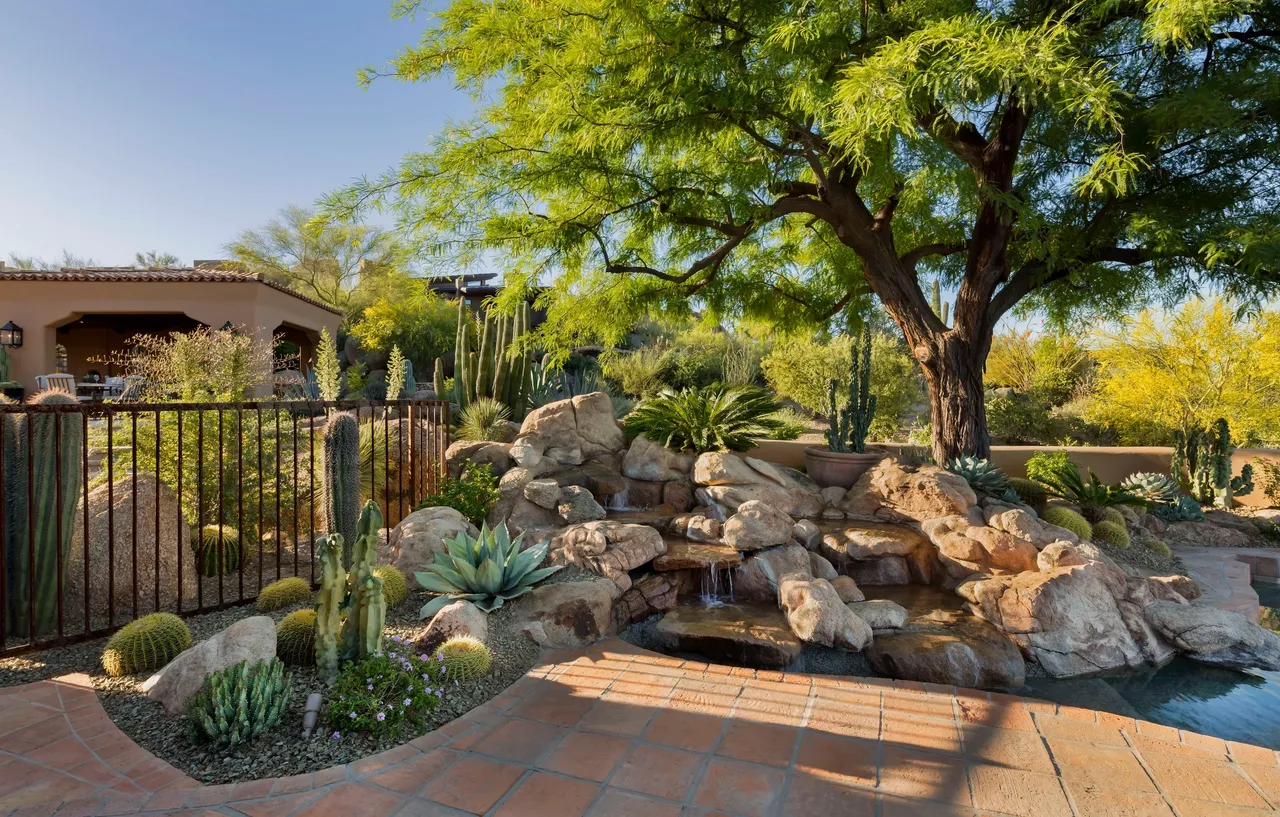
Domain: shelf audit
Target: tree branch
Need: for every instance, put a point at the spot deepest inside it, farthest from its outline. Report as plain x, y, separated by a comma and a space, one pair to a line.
913, 257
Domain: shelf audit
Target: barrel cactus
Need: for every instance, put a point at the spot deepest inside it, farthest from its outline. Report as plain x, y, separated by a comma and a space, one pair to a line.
147, 643
982, 475
342, 479
465, 657
394, 587
1157, 547
1069, 519
1029, 493
1111, 534
241, 702
1155, 488
218, 549
296, 638
283, 593
1111, 515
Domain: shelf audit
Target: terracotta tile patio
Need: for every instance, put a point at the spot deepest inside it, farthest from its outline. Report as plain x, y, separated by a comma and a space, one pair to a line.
614, 731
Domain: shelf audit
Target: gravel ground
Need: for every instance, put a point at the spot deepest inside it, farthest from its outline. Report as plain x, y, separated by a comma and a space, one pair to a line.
1138, 555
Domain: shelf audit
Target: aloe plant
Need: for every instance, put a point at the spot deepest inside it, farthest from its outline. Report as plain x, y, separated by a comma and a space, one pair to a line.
487, 570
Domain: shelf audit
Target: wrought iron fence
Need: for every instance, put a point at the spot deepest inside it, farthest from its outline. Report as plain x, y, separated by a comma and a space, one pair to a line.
112, 511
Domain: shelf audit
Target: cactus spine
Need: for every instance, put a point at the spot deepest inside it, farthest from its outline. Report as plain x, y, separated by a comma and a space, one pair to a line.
366, 607
848, 426
497, 370
342, 479
329, 607
1206, 457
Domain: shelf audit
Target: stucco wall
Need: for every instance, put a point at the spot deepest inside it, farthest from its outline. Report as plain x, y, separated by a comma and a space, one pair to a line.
1110, 464
39, 307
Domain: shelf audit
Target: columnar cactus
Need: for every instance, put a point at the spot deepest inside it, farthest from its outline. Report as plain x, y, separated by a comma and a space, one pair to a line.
333, 591
1206, 456
14, 534
848, 426
496, 370
437, 380
366, 607
342, 479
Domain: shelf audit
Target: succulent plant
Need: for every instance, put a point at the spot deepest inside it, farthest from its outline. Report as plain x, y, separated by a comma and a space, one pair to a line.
1206, 456
146, 643
1030, 492
1158, 547
1110, 514
364, 607
465, 657
499, 368
1112, 534
1158, 489
714, 418
982, 475
487, 570
296, 638
218, 549
1186, 509
1069, 519
395, 588
848, 426
283, 593
1092, 495
329, 605
342, 479
240, 703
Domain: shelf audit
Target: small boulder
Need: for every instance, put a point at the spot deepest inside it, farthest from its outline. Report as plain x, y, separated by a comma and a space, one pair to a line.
577, 505
807, 533
847, 589
458, 619
566, 615
893, 491
250, 639
703, 529
1059, 554
1183, 585
545, 493
821, 568
757, 525
649, 594
891, 570
745, 634
607, 547
478, 452
1214, 636
881, 614
757, 578
730, 480
967, 653
649, 461
817, 615
414, 543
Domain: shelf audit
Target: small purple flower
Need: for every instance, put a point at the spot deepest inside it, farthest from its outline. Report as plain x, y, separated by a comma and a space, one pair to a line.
389, 655
428, 690
370, 680
352, 716
444, 669
440, 656
370, 687
382, 716
337, 736
422, 657
425, 677
342, 697
407, 701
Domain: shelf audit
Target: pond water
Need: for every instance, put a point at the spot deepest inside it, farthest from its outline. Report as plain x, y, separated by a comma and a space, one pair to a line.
1243, 706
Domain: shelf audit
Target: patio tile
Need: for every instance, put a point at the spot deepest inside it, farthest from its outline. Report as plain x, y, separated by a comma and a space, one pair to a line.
1071, 729
547, 795
1266, 778
1191, 778
618, 803
685, 730
743, 788
838, 759
1006, 747
809, 796
848, 721
1100, 765
617, 718
909, 773
759, 743
891, 806
473, 784
657, 770
412, 775
353, 800
921, 733
1015, 791
519, 740
1101, 801
586, 755
558, 706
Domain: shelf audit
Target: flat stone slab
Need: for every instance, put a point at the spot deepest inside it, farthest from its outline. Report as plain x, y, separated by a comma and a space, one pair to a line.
746, 634
869, 540
683, 554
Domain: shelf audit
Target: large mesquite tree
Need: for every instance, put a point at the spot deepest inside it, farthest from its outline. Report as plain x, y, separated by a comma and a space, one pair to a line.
784, 158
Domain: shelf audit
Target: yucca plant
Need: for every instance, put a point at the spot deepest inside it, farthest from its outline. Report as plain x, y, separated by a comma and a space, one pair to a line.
485, 419
715, 418
1092, 495
488, 570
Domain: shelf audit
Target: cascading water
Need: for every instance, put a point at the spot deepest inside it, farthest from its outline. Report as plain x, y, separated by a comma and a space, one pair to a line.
713, 595
618, 502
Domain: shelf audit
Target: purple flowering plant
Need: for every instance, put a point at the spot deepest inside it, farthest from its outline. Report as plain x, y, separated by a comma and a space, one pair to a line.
386, 694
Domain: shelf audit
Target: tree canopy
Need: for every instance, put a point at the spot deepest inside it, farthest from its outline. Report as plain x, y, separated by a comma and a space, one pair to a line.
782, 160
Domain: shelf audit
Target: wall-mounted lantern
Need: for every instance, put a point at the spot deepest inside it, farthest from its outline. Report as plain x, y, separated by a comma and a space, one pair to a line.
11, 335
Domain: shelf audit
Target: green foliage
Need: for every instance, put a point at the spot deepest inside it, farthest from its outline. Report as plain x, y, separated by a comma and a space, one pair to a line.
146, 643
1045, 465
422, 326
283, 593
218, 549
1206, 457
203, 365
1185, 509
485, 419
486, 570
328, 373
465, 657
386, 695
849, 423
1048, 369
354, 381
791, 424
296, 638
342, 476
715, 418
638, 373
472, 494
1110, 533
1157, 547
241, 703
1092, 496
1269, 471
394, 587
1111, 515
1030, 493
1018, 419
1069, 519
1157, 489
982, 475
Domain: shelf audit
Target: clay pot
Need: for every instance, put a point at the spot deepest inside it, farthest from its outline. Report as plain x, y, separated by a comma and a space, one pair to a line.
832, 468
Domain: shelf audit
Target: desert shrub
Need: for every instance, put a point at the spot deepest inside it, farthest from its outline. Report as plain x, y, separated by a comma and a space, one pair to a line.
1268, 472
1030, 492
485, 419
472, 494
423, 326
716, 418
1110, 533
146, 643
488, 570
1016, 419
694, 359
1093, 496
637, 373
791, 424
386, 693
203, 365
1044, 465
1046, 369
982, 475
1069, 519
283, 593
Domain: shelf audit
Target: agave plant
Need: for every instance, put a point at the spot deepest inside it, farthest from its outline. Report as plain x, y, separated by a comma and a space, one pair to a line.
1160, 489
487, 570
715, 418
982, 475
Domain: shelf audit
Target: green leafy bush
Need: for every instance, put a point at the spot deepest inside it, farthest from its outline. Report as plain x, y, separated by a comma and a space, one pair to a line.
791, 424
146, 643
283, 593
1093, 496
487, 570
1048, 368
1018, 420
423, 326
1044, 465
1069, 519
465, 658
472, 494
485, 419
716, 418
1269, 480
241, 703
1112, 534
387, 693
637, 373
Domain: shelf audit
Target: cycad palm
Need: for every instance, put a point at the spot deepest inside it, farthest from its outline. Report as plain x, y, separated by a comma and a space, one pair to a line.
715, 418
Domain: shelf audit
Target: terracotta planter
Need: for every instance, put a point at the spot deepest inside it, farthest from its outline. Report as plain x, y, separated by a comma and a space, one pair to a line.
831, 468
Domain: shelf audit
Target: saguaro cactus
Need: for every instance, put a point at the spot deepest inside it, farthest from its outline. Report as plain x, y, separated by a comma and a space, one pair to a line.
333, 589
366, 607
342, 479
14, 534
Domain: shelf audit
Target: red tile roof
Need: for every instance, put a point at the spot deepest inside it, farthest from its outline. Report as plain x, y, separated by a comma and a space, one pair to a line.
153, 275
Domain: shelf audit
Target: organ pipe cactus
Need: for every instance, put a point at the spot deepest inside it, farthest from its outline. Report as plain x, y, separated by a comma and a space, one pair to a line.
342, 479
365, 608
329, 606
1206, 457
496, 369
848, 426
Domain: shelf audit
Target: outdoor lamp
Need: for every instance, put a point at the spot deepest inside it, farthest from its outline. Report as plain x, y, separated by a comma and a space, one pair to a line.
227, 327
11, 335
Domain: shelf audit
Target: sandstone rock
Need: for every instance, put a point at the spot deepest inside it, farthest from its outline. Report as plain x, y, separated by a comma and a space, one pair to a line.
650, 461
601, 479
832, 513
745, 634
821, 568
563, 615
757, 578
678, 493
863, 541
682, 554
577, 505
1004, 551
545, 493
478, 452
607, 547
250, 639
1207, 534
703, 529
806, 533
116, 503
1059, 554
571, 431
1026, 526
731, 480
847, 589
513, 481
967, 653
893, 491
965, 548
414, 543
521, 515
1185, 587
1214, 636
833, 495
816, 614
757, 525
881, 614
458, 619
890, 570
641, 494
526, 453
650, 594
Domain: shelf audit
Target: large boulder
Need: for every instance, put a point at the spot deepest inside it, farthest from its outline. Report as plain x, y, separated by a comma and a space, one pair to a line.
894, 492
414, 543
607, 547
965, 548
250, 639
885, 571
730, 480
816, 614
1214, 636
111, 549
478, 452
649, 594
563, 615
651, 462
570, 432
757, 525
757, 578
880, 614
967, 653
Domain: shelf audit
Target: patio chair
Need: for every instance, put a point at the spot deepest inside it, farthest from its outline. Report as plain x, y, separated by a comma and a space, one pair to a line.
56, 382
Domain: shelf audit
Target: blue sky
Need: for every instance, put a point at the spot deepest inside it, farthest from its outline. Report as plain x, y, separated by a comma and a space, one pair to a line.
133, 125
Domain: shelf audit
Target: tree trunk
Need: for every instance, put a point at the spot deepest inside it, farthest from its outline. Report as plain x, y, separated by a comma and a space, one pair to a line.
954, 374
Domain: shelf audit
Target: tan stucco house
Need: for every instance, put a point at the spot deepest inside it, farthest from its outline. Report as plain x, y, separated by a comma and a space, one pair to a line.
92, 313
